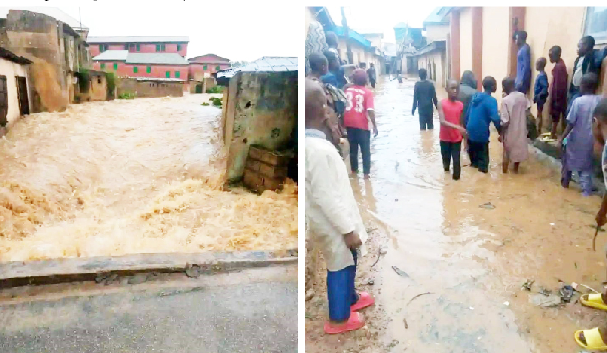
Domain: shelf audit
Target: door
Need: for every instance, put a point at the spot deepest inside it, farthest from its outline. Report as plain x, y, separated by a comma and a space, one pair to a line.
24, 103
3, 101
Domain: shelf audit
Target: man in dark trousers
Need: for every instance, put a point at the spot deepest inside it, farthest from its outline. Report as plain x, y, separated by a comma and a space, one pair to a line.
424, 98
372, 75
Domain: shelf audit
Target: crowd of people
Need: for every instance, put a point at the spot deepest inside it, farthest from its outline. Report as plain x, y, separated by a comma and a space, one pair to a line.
338, 107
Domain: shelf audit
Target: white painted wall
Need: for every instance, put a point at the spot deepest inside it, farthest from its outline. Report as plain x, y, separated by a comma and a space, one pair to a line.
465, 40
496, 29
10, 70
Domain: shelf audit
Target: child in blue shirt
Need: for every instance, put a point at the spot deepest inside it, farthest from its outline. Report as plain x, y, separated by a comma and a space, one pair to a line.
540, 91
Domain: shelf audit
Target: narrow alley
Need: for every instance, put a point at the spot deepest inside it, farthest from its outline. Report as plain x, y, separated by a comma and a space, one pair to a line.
130, 176
450, 268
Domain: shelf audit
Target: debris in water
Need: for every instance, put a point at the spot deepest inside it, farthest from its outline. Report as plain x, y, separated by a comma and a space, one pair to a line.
400, 272
527, 285
192, 271
545, 302
566, 292
138, 279
507, 303
487, 206
417, 296
594, 239
406, 324
370, 282
552, 224
545, 291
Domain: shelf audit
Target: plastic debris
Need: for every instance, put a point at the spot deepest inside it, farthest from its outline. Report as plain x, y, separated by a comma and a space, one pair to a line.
487, 206
507, 303
527, 285
545, 302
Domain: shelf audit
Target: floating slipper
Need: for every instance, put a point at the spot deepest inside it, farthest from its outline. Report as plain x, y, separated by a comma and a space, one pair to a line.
355, 322
364, 300
594, 342
594, 301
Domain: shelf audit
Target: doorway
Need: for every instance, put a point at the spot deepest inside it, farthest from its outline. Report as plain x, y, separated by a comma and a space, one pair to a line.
3, 101
24, 104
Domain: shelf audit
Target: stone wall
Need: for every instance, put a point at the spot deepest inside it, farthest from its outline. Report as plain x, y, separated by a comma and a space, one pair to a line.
260, 109
149, 89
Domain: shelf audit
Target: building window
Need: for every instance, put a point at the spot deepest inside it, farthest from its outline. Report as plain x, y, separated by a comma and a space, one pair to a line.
596, 23
138, 47
168, 74
102, 48
126, 47
134, 69
163, 47
204, 67
178, 47
148, 69
115, 66
102, 66
157, 47
217, 68
177, 74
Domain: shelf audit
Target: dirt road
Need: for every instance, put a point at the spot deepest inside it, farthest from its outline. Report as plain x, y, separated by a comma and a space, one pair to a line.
472, 260
130, 176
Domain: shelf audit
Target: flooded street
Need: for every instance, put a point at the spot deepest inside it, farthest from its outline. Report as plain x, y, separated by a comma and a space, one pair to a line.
469, 262
130, 176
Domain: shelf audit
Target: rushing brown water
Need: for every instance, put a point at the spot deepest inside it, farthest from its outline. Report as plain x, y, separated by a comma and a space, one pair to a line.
130, 176
472, 260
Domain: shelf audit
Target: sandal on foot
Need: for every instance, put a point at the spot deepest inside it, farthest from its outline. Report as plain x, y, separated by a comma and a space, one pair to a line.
594, 342
355, 322
594, 301
364, 300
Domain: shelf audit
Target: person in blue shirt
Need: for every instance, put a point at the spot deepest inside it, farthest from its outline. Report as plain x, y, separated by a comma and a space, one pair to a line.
482, 111
330, 77
523, 63
540, 91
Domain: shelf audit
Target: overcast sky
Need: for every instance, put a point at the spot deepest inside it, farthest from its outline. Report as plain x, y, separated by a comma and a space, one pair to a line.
238, 32
383, 17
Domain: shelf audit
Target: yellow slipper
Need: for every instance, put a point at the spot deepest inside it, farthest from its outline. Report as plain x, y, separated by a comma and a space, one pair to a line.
593, 338
594, 301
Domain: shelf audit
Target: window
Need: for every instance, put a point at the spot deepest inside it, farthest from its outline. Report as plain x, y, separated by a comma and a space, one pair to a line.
204, 67
126, 46
102, 48
138, 47
163, 47
148, 69
115, 66
134, 69
178, 47
168, 74
596, 23
217, 68
177, 74
157, 47
98, 80
102, 66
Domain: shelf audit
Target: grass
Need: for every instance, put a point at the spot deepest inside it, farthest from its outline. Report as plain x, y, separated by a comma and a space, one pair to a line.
127, 95
216, 89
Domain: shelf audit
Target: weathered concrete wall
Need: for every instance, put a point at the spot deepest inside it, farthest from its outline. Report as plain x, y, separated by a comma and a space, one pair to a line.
438, 59
10, 70
149, 89
495, 45
98, 88
549, 26
465, 39
261, 109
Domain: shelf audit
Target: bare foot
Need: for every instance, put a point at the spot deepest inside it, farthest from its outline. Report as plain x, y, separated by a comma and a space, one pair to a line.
367, 176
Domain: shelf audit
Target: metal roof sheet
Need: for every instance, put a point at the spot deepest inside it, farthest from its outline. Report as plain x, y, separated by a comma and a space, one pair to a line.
114, 55
156, 58
137, 39
265, 64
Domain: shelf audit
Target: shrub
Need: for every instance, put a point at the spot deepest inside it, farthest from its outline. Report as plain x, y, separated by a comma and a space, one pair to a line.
110, 80
127, 95
205, 104
217, 102
216, 89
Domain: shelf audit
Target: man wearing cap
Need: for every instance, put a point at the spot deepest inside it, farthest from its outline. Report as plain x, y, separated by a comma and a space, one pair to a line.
359, 117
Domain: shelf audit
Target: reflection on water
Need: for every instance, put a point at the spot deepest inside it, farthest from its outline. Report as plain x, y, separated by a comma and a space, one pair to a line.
129, 176
472, 259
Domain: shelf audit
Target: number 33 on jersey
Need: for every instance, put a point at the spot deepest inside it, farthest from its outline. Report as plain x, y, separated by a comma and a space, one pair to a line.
359, 101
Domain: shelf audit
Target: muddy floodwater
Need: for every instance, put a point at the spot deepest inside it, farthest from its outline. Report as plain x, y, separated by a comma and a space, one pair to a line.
130, 176
467, 262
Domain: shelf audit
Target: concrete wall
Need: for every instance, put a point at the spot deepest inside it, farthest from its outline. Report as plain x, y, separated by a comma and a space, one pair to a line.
10, 70
431, 62
98, 88
260, 109
157, 71
549, 26
436, 32
465, 40
149, 89
143, 48
495, 44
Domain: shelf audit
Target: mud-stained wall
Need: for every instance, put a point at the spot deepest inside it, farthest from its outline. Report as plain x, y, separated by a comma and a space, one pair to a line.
10, 70
149, 89
98, 89
261, 109
496, 26
549, 26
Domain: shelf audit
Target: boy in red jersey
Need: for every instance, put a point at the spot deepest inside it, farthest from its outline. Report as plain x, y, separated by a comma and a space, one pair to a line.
451, 129
358, 117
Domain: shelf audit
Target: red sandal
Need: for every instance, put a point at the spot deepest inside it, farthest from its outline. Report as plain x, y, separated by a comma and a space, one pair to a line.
364, 300
355, 322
